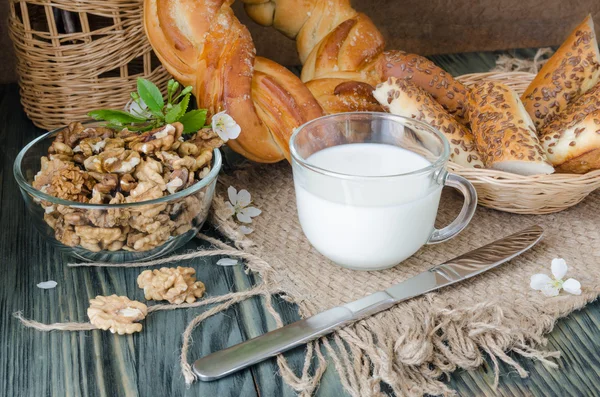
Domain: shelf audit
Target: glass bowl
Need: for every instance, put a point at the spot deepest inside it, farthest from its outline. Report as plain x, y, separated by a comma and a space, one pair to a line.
178, 216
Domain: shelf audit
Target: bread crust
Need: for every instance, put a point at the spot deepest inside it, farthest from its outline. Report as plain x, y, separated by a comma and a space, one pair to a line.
504, 132
353, 51
570, 72
341, 95
581, 164
404, 98
572, 138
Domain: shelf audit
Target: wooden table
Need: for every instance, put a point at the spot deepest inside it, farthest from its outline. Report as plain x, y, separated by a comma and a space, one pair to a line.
97, 363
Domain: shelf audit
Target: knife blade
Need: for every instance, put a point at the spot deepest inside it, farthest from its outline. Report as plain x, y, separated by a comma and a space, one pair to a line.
230, 360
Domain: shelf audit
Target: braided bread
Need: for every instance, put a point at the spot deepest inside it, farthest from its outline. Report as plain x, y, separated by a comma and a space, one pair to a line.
202, 44
336, 41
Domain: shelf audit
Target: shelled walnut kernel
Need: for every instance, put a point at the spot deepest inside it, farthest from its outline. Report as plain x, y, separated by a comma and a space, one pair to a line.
98, 165
176, 285
118, 314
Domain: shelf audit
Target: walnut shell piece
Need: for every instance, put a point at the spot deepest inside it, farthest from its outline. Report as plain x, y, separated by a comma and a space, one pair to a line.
118, 314
176, 285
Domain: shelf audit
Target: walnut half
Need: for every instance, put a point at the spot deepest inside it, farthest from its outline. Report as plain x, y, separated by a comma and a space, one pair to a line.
174, 285
117, 313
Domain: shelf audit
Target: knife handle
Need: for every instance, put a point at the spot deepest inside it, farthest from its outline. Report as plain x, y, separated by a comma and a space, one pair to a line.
235, 358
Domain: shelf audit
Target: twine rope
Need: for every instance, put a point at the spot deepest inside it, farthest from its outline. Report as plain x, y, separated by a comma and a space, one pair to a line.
224, 250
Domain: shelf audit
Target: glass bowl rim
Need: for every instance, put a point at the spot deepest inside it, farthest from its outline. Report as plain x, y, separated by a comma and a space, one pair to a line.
442, 158
23, 184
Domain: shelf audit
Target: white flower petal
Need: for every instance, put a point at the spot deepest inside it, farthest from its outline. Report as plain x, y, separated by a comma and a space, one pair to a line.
230, 208
232, 194
234, 131
539, 281
559, 268
572, 286
243, 198
251, 211
245, 229
139, 110
227, 262
550, 290
243, 217
47, 284
225, 126
221, 133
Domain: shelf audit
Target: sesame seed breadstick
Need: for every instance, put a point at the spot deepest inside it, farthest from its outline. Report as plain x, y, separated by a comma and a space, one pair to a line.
402, 97
504, 132
572, 138
571, 71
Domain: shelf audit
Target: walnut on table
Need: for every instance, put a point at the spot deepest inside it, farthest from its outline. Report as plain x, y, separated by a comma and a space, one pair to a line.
118, 314
176, 285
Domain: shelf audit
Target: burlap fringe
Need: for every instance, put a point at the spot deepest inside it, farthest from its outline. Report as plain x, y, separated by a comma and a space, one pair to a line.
415, 350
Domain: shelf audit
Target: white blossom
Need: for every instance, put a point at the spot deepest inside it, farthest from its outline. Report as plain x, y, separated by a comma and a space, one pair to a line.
238, 205
552, 286
47, 284
138, 109
245, 229
225, 126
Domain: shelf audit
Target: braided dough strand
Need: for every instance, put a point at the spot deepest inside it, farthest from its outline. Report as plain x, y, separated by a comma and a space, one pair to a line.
203, 44
336, 42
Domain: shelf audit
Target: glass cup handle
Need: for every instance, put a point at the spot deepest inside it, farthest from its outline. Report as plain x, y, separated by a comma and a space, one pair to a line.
466, 213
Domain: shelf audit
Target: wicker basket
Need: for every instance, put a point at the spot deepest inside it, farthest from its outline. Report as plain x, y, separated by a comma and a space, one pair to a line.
539, 194
74, 56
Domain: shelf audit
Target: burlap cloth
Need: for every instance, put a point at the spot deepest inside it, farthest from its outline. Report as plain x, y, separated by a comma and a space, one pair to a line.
412, 345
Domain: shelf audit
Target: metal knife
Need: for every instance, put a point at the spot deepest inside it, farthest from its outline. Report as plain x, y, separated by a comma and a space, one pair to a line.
235, 358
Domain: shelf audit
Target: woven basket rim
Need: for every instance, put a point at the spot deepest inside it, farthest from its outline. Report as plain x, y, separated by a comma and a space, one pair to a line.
496, 176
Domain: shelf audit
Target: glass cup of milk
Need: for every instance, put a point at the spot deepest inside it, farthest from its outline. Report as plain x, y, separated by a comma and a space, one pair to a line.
368, 187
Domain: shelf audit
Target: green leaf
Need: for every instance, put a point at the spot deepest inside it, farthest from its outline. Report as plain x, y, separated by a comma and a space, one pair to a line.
193, 120
177, 111
151, 95
115, 116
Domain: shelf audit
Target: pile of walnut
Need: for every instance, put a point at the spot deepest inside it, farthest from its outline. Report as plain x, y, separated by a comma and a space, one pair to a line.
98, 165
121, 315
